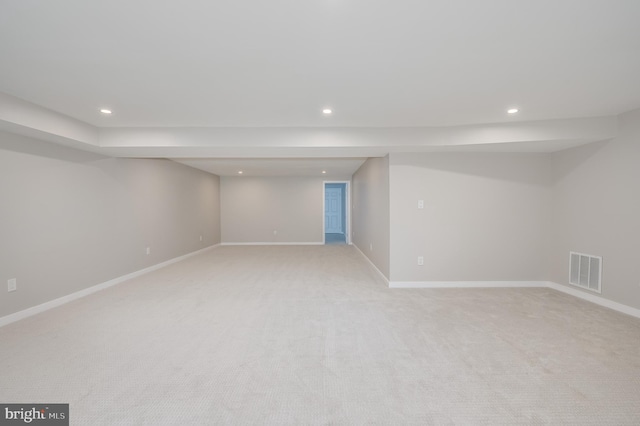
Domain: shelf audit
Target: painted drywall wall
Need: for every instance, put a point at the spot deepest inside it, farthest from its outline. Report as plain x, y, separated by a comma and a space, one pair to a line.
370, 211
485, 218
252, 208
70, 219
596, 210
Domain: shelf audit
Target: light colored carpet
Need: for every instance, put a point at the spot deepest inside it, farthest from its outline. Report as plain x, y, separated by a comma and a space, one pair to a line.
310, 335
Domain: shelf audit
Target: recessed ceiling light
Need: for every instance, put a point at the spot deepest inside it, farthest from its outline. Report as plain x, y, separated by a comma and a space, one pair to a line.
512, 110
324, 172
105, 111
240, 172
327, 111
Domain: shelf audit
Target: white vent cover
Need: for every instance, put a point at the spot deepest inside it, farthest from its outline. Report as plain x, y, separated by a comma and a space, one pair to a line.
585, 271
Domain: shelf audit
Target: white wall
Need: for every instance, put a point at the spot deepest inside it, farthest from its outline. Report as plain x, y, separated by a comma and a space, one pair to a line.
71, 219
486, 216
370, 211
596, 200
254, 207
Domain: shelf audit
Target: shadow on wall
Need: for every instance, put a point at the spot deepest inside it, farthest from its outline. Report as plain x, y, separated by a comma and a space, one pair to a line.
118, 169
26, 145
499, 166
576, 158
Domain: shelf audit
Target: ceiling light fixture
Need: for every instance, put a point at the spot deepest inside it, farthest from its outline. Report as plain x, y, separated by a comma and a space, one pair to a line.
240, 172
327, 111
512, 110
324, 172
105, 111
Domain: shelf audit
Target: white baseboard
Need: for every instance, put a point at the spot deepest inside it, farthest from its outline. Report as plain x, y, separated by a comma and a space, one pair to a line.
598, 300
312, 243
466, 284
8, 319
383, 276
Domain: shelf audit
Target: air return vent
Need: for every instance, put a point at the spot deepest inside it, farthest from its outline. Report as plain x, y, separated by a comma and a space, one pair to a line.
585, 271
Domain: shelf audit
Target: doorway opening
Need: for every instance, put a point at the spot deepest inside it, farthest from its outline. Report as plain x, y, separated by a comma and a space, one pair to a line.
336, 213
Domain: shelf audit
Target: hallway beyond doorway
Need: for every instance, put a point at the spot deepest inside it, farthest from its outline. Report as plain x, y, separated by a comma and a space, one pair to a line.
336, 214
330, 238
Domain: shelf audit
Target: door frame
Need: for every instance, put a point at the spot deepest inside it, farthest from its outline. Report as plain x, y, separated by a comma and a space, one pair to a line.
346, 206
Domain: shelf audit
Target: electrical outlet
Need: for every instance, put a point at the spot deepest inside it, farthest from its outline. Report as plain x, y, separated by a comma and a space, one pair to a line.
421, 204
420, 260
12, 284
148, 250
200, 237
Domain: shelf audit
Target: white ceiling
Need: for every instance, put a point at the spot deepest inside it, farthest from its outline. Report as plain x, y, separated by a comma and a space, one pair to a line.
198, 64
279, 62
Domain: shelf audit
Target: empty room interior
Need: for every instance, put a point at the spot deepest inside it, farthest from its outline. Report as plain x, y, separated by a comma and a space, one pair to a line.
332, 212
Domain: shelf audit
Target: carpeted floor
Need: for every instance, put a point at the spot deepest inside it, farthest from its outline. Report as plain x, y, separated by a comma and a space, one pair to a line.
310, 335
